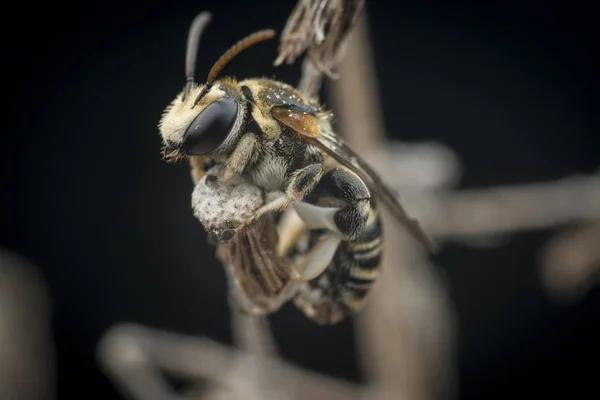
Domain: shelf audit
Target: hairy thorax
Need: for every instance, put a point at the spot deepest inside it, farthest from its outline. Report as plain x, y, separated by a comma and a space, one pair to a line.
270, 172
278, 160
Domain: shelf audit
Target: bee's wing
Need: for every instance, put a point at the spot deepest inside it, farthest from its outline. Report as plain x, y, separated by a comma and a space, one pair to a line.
334, 146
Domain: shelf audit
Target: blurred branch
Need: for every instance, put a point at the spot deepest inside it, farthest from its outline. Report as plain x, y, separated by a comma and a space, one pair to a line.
406, 333
570, 263
507, 209
133, 355
250, 332
26, 348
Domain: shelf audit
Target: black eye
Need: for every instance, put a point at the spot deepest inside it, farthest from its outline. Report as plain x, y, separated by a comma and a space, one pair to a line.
211, 127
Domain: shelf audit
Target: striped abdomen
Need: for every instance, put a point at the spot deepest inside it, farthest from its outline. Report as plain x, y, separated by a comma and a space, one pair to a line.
343, 287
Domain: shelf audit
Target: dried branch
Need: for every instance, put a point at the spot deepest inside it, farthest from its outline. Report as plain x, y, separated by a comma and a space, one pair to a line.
26, 348
320, 28
250, 332
507, 209
406, 333
133, 354
570, 263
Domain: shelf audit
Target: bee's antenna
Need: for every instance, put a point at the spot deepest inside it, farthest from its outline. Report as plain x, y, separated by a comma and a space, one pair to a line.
230, 54
194, 35
236, 49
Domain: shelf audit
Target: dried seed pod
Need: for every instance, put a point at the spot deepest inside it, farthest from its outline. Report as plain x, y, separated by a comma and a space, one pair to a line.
319, 27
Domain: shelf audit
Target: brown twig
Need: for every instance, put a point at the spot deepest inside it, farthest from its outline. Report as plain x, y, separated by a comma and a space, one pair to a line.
570, 263
507, 209
320, 28
406, 333
131, 354
26, 348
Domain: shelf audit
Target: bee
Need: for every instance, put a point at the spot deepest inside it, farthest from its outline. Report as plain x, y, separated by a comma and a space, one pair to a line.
279, 140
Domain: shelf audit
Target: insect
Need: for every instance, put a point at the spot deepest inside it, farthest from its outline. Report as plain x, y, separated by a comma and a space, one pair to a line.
279, 140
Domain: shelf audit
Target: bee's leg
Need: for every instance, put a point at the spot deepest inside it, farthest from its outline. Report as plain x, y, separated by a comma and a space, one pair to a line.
313, 263
198, 168
300, 184
291, 229
344, 188
241, 156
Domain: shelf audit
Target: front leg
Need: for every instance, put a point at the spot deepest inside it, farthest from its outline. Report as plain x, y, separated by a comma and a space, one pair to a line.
300, 184
244, 154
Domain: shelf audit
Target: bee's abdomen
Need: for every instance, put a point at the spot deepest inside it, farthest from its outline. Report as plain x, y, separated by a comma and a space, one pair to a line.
344, 286
364, 257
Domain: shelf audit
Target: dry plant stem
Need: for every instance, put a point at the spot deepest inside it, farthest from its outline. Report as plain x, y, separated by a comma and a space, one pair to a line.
395, 340
250, 332
570, 263
310, 83
318, 28
132, 355
398, 353
27, 358
135, 353
359, 119
507, 209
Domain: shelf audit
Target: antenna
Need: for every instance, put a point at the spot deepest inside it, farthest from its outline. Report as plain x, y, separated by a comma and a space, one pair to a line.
194, 35
230, 54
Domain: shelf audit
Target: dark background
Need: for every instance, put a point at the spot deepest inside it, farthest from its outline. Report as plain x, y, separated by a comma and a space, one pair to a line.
511, 86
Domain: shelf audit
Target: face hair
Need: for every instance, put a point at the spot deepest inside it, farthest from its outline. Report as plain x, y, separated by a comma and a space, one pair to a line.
230, 54
194, 35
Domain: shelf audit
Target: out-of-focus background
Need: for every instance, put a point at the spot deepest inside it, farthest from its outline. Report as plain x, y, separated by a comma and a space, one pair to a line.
511, 87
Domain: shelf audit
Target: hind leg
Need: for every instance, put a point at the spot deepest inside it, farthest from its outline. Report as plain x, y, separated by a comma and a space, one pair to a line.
340, 203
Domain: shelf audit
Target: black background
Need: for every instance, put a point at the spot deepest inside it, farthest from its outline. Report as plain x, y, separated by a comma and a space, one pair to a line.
511, 86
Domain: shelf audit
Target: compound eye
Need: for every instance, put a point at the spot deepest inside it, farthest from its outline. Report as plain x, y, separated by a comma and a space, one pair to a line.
211, 127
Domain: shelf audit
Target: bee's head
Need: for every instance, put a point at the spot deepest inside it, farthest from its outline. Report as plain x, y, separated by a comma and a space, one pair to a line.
190, 128
205, 118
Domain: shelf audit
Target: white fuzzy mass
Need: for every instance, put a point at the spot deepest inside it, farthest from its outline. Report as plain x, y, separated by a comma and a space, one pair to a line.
223, 207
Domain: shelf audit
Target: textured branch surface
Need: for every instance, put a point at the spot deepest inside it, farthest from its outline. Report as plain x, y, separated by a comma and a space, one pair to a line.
319, 27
